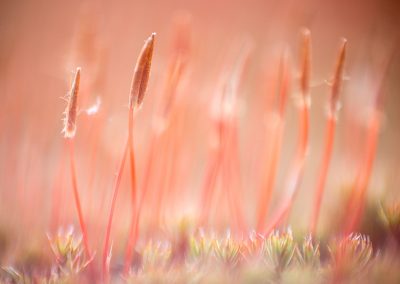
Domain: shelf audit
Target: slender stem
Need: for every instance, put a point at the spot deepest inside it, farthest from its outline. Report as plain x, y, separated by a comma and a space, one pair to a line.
268, 186
130, 244
77, 199
284, 210
117, 182
132, 158
134, 225
361, 185
297, 169
266, 194
329, 139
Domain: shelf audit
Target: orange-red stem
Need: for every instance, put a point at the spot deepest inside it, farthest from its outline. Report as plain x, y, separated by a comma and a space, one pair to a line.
105, 268
129, 247
361, 185
268, 186
77, 199
297, 170
265, 198
329, 139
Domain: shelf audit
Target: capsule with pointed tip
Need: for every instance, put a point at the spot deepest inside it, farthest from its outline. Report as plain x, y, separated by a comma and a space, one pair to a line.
305, 64
338, 77
141, 74
71, 111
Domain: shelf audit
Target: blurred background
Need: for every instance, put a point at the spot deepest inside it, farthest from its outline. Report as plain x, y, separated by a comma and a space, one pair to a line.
42, 43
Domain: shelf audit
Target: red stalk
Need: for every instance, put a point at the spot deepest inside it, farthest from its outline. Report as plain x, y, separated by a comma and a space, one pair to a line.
133, 186
134, 225
117, 181
357, 199
228, 143
138, 90
69, 131
266, 193
77, 199
361, 184
296, 173
329, 136
132, 161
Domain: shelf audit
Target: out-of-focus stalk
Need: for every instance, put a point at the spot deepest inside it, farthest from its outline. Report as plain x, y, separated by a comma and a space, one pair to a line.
295, 175
329, 136
137, 92
225, 161
356, 202
268, 184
